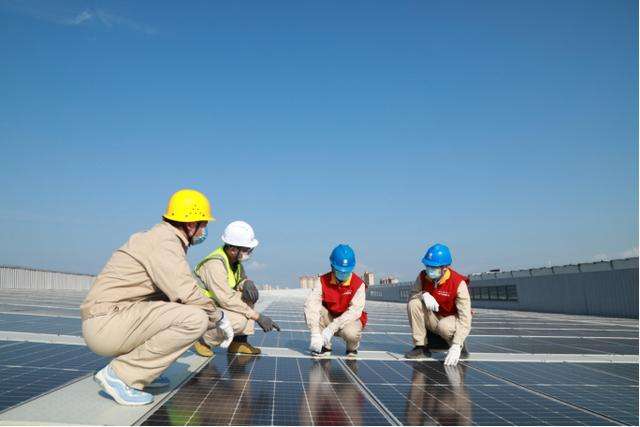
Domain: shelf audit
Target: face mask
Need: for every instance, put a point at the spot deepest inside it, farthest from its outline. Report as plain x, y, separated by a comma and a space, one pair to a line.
201, 238
434, 273
243, 256
342, 276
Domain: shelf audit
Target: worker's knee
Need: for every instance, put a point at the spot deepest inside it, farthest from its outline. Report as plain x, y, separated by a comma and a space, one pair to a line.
415, 306
196, 320
445, 331
351, 333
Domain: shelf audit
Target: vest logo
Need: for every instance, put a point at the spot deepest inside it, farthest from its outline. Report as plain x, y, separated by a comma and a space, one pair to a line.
347, 292
443, 293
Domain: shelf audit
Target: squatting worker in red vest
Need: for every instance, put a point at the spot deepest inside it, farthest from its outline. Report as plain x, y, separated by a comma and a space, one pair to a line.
439, 302
336, 305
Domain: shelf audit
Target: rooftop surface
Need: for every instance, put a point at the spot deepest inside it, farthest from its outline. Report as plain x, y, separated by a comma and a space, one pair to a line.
524, 368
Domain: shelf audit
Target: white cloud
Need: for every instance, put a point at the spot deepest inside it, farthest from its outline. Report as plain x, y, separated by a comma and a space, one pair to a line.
110, 20
255, 265
629, 253
83, 16
61, 14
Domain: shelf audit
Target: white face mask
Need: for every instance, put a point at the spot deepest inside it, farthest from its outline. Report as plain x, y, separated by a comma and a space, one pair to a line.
243, 256
434, 273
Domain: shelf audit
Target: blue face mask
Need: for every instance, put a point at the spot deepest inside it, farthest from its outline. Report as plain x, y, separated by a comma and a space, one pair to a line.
201, 238
343, 277
434, 273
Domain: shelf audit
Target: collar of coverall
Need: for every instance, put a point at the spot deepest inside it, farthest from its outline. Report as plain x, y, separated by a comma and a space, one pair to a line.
180, 234
334, 281
445, 277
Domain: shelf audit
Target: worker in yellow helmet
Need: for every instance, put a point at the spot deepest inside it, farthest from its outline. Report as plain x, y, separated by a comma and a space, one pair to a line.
145, 308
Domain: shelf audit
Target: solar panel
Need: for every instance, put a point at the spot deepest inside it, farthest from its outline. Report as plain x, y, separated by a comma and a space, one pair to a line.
607, 389
552, 345
19, 384
28, 369
280, 391
41, 324
58, 356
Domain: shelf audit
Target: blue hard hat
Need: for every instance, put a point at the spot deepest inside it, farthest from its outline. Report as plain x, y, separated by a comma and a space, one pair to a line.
343, 258
437, 255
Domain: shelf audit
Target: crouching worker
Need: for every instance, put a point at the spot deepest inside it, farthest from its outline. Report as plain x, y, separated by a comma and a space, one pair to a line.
145, 308
440, 303
336, 305
223, 279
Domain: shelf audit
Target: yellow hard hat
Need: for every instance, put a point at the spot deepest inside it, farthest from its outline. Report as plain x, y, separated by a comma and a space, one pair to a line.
188, 206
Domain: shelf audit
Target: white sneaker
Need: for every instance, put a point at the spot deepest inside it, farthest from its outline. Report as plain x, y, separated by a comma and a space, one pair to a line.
116, 388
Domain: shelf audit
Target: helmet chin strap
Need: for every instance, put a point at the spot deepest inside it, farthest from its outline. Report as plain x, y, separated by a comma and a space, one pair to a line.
186, 231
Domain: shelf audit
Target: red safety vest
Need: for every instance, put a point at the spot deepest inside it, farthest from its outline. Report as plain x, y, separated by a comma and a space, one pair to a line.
336, 297
445, 294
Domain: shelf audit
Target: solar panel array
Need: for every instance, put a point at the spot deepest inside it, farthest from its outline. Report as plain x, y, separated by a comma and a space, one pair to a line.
287, 387
263, 390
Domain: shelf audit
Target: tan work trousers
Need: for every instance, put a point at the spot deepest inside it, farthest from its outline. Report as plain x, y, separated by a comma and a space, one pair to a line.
240, 324
145, 338
350, 332
422, 320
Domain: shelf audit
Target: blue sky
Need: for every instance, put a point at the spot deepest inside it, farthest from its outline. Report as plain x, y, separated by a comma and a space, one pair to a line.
507, 130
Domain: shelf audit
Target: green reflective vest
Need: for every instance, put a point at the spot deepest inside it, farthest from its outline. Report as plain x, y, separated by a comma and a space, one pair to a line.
233, 279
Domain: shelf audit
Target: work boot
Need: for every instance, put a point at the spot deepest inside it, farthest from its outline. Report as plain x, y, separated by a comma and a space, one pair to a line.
202, 349
418, 352
242, 346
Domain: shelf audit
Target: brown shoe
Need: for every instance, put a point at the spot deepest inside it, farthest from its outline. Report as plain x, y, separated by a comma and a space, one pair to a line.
243, 348
202, 349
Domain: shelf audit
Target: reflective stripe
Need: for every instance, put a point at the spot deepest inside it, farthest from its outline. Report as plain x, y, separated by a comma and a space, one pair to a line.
233, 279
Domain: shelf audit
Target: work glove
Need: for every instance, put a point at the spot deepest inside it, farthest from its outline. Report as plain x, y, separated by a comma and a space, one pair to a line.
316, 343
250, 293
227, 330
327, 334
453, 355
454, 375
267, 324
430, 302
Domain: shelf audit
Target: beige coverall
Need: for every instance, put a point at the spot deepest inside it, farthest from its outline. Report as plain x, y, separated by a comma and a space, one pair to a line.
347, 326
213, 274
454, 329
145, 307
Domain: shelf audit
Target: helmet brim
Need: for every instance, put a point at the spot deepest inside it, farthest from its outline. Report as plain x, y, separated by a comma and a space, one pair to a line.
251, 245
176, 219
342, 269
429, 263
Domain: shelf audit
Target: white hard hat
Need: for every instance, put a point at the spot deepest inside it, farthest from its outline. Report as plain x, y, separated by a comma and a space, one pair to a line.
239, 233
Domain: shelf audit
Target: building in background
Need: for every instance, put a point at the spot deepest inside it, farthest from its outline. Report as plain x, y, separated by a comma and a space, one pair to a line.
604, 288
308, 282
389, 280
369, 278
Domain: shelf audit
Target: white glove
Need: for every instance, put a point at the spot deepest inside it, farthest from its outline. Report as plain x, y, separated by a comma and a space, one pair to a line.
453, 355
227, 330
453, 375
327, 334
316, 343
430, 302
